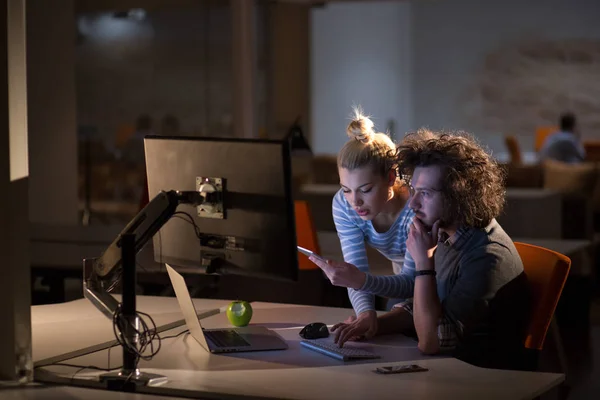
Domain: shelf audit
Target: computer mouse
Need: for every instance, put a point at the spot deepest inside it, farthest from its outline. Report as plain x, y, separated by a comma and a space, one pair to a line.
314, 330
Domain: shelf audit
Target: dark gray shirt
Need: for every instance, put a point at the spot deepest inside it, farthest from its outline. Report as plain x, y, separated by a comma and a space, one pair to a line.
484, 293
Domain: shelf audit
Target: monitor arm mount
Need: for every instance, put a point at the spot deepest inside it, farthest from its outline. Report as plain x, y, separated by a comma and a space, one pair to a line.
102, 274
118, 262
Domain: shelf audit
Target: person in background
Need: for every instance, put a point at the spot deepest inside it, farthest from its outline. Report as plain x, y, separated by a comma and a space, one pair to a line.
471, 296
170, 126
133, 151
564, 145
370, 209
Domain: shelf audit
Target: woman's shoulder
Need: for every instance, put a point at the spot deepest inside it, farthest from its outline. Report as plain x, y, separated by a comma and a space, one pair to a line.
340, 203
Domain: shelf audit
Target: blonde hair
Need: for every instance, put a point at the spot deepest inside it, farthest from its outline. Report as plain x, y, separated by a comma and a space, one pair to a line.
367, 148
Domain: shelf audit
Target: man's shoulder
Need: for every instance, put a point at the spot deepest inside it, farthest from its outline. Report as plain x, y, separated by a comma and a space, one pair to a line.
559, 136
493, 241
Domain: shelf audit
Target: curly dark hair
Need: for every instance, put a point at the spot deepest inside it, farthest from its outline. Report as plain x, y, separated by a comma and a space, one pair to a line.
473, 183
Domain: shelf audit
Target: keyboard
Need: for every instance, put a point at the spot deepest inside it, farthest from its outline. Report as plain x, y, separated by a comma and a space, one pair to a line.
341, 353
226, 338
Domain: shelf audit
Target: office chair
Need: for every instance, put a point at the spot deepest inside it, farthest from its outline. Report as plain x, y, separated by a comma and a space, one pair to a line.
311, 280
541, 134
592, 150
513, 149
306, 234
547, 273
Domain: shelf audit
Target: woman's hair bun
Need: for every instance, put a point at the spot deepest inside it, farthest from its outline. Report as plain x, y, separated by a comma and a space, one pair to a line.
361, 127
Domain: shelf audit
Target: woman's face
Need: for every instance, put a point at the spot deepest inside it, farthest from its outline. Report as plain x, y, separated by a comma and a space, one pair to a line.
366, 191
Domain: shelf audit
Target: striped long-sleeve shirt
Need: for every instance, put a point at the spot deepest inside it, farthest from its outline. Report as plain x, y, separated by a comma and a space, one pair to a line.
354, 233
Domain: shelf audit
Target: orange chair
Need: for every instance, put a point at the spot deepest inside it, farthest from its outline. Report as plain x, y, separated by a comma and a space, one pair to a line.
541, 134
592, 150
547, 273
123, 134
513, 149
306, 234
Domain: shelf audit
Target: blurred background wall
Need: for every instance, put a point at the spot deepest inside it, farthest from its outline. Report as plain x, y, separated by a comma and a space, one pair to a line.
505, 67
361, 54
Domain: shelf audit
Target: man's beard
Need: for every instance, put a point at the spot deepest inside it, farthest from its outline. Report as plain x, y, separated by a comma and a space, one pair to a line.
442, 224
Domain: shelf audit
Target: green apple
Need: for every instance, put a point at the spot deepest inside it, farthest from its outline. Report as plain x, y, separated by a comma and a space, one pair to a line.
239, 313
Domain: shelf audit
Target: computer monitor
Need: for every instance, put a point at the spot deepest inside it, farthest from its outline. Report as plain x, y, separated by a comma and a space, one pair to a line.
255, 234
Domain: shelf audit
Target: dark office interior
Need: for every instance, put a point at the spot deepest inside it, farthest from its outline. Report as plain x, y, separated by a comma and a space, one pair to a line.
87, 80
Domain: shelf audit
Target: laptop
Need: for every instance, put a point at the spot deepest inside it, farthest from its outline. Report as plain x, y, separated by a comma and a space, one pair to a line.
227, 340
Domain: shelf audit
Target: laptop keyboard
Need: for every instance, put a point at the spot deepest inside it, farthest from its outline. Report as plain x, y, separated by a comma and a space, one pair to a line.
226, 338
341, 353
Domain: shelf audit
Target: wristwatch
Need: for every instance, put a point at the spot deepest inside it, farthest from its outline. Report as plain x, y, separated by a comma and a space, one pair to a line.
426, 272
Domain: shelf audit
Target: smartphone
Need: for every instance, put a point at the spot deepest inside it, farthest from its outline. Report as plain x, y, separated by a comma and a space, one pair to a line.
309, 253
400, 369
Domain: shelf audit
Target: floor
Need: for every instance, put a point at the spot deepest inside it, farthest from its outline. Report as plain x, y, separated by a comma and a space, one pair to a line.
584, 360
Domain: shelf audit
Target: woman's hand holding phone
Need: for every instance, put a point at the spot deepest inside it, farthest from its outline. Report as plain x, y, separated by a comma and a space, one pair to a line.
310, 253
338, 273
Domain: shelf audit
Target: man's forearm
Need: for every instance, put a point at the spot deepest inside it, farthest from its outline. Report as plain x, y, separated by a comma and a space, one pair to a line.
396, 321
426, 313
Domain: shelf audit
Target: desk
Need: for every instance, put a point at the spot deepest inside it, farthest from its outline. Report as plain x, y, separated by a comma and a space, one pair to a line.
297, 373
532, 213
568, 247
62, 331
578, 250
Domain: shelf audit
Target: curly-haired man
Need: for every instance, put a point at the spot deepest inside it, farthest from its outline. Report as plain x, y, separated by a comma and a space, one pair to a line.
470, 294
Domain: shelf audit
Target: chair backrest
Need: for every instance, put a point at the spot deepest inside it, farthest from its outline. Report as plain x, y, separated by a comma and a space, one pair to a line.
513, 149
306, 234
592, 150
541, 134
546, 272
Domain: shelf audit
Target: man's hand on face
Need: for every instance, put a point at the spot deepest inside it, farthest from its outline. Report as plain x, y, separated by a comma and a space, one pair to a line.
341, 273
421, 243
363, 327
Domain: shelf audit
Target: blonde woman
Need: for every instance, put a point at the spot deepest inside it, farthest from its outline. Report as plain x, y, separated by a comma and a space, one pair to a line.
369, 209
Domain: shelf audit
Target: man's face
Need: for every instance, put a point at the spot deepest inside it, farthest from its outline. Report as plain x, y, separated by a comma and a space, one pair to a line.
366, 191
426, 197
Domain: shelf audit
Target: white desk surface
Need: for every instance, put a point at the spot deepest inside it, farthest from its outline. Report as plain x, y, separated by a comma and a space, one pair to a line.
60, 331
299, 373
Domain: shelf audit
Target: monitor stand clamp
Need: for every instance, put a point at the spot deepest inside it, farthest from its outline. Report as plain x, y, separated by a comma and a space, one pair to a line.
127, 381
129, 377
